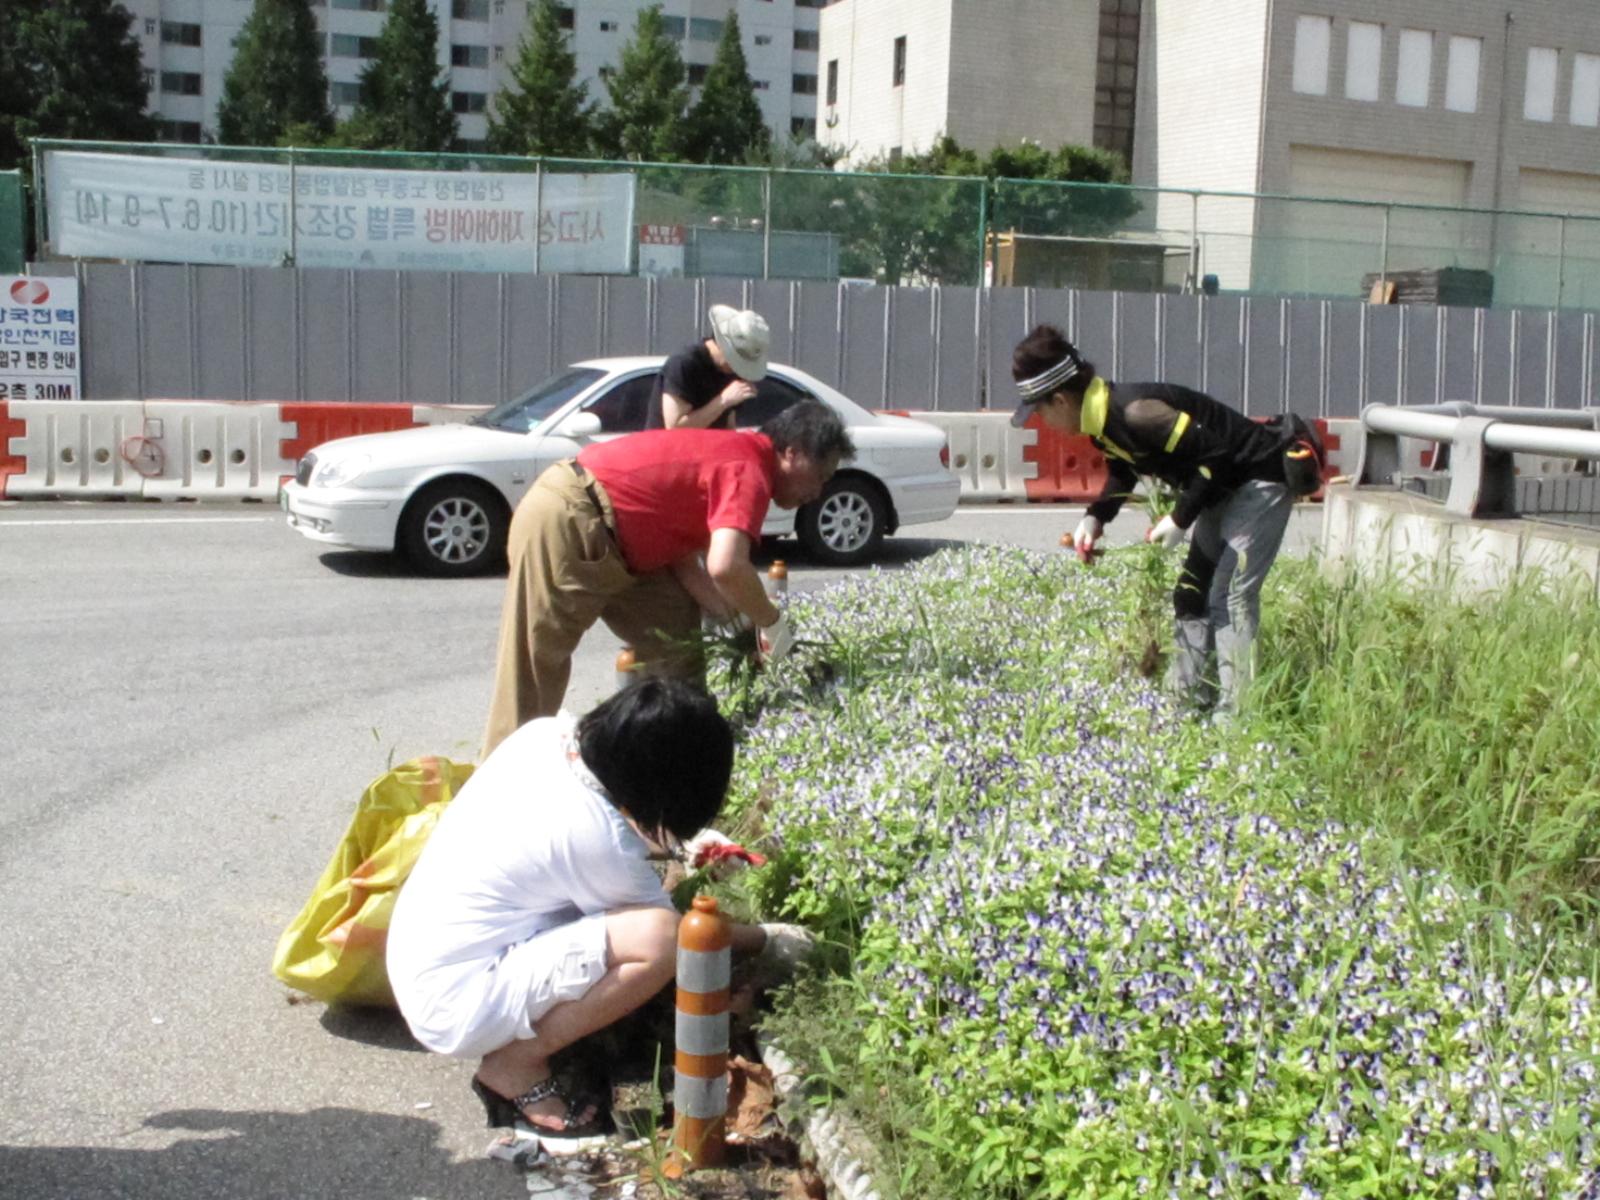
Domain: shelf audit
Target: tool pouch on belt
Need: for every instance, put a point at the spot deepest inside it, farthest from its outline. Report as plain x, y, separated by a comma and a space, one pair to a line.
1304, 456
334, 949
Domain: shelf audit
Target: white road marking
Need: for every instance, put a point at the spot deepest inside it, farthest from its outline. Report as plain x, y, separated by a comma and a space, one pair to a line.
142, 521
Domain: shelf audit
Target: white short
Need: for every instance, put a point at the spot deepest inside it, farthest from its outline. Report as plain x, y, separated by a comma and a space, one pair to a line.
468, 1009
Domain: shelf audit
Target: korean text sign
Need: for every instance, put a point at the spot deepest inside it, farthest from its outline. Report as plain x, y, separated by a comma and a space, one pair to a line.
198, 211
41, 350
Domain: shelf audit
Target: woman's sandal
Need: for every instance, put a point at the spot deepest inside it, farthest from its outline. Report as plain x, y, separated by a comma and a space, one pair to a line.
569, 1136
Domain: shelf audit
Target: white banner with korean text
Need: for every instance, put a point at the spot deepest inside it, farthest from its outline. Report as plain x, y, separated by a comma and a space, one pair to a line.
40, 350
189, 210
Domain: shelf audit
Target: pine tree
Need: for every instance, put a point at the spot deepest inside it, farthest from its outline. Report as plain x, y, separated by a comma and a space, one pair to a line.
70, 69
725, 125
648, 96
545, 110
405, 97
276, 79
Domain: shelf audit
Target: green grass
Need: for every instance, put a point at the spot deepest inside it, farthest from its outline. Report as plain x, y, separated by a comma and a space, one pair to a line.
1466, 733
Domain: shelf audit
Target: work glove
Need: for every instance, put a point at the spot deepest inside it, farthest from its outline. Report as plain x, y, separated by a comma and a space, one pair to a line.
1085, 536
1164, 533
787, 947
711, 848
777, 639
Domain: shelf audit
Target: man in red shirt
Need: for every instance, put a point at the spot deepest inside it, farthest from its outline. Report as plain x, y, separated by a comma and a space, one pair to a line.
617, 535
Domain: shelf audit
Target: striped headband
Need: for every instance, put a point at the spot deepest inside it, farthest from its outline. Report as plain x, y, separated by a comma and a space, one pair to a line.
1043, 384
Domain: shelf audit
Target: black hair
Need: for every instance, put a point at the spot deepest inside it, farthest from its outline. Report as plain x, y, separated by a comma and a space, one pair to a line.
663, 752
812, 428
1042, 349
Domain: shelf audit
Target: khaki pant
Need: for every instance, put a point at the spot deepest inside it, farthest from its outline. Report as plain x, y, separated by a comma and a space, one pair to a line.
567, 572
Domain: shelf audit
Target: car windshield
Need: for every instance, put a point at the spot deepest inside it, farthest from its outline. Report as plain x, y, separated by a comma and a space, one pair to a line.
527, 410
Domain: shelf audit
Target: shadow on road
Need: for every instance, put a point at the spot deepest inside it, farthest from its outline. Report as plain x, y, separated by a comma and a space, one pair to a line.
384, 1028
249, 1155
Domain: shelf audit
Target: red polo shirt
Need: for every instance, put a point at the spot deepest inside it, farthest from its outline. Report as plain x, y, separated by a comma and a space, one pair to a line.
672, 487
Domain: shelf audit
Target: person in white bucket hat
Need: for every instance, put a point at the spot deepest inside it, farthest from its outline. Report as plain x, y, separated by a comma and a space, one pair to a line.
701, 385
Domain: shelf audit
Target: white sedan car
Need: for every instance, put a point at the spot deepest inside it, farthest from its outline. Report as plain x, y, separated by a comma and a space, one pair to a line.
443, 494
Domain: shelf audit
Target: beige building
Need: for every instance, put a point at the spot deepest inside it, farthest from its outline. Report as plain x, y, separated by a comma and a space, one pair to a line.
897, 74
1452, 103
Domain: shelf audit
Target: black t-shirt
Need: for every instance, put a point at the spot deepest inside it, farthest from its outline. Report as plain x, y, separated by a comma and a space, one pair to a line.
693, 377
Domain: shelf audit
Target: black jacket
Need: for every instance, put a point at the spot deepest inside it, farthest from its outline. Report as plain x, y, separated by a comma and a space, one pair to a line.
1186, 439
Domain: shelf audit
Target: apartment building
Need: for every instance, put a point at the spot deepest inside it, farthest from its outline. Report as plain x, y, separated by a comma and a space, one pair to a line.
1431, 102
188, 45
898, 74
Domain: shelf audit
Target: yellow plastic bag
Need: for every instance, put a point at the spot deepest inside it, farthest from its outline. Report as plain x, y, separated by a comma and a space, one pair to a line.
334, 948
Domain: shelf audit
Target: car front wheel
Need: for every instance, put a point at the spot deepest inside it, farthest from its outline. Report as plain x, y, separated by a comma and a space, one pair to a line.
846, 525
454, 528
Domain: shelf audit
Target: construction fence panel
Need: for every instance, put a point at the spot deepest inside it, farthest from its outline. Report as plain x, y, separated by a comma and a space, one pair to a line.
13, 223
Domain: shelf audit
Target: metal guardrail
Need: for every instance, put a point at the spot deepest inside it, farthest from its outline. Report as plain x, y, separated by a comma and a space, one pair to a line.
1477, 447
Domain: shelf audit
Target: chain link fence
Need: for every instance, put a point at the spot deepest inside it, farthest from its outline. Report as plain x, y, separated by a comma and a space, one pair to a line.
786, 224
13, 227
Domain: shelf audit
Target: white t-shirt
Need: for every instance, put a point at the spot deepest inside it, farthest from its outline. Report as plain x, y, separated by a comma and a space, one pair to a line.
530, 843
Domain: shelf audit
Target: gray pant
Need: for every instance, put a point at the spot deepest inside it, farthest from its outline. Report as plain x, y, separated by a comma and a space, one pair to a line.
1218, 600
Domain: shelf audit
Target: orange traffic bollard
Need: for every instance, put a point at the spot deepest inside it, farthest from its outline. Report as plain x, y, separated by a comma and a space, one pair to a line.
627, 662
777, 579
700, 1092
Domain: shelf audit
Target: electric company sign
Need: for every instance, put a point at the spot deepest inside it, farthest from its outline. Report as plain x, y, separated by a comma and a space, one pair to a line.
41, 346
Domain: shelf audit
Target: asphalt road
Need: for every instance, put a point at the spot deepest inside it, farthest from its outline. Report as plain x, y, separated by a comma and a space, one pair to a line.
192, 697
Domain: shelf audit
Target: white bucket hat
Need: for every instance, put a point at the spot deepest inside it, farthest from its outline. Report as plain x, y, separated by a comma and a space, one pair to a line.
743, 337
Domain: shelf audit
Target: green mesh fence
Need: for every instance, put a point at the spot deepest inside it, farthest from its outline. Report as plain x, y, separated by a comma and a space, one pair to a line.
13, 244
919, 230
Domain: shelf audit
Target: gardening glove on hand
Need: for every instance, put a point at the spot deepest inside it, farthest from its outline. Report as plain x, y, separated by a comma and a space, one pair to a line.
786, 948
777, 639
1164, 533
1086, 535
724, 856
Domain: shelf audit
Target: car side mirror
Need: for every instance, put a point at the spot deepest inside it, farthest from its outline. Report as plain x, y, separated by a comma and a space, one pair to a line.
578, 425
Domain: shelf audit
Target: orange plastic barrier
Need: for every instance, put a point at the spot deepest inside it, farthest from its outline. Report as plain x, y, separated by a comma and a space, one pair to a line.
700, 1093
10, 464
321, 421
1070, 468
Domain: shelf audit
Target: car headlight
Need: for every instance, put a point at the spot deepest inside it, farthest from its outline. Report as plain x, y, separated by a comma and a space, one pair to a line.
336, 472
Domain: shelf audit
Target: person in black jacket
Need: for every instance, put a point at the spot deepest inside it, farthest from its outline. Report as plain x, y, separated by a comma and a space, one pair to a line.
1233, 499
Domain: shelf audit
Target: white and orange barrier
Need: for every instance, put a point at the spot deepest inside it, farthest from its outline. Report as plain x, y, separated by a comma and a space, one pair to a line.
700, 1065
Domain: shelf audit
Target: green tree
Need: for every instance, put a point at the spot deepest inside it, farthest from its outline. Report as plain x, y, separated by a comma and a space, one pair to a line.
69, 69
648, 96
405, 97
276, 80
726, 125
545, 108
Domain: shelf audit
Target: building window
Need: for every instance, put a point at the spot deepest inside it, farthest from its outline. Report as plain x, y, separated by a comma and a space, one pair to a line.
608, 26
697, 74
761, 85
1363, 60
469, 102
499, 53
345, 92
704, 29
896, 153
804, 127
565, 17
674, 27
805, 85
763, 39
1539, 97
149, 79
348, 45
149, 27
180, 33
1461, 74
1116, 84
363, 5
1586, 90
470, 10
1414, 76
1312, 37
469, 56
606, 72
180, 83
812, 3
899, 60
833, 81
807, 39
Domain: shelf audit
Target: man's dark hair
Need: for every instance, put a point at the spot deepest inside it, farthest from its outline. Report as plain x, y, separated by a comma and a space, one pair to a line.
663, 753
1042, 349
812, 428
